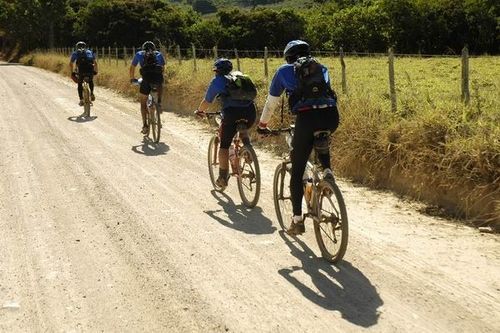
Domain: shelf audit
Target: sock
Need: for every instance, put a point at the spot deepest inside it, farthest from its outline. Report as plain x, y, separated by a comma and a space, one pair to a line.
297, 218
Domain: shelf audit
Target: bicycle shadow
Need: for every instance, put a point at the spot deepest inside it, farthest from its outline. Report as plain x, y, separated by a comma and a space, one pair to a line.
149, 148
81, 118
343, 287
241, 218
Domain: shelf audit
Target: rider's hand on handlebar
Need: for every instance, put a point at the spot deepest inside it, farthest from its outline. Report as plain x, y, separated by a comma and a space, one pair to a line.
199, 113
134, 81
262, 130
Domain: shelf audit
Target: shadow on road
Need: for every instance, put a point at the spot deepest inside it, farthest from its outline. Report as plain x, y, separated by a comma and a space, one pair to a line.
81, 119
241, 218
343, 288
149, 148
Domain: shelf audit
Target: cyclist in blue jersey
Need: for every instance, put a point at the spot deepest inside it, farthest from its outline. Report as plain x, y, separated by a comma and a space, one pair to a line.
152, 65
313, 114
86, 64
232, 111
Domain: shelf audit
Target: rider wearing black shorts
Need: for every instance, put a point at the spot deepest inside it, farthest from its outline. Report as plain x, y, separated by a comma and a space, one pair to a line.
314, 116
232, 112
85, 61
152, 65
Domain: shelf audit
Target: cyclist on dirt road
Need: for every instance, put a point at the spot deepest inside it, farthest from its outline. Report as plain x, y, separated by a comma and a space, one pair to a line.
313, 102
232, 111
87, 67
152, 65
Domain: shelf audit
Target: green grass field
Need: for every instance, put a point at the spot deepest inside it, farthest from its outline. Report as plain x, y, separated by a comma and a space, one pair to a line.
434, 148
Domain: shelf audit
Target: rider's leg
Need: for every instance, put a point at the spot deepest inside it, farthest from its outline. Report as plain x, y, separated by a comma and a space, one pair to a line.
91, 86
144, 90
250, 114
325, 120
227, 132
80, 89
143, 99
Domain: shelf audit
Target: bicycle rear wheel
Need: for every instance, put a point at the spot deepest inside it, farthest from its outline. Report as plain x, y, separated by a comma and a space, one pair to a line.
249, 176
154, 123
213, 161
332, 229
282, 196
86, 99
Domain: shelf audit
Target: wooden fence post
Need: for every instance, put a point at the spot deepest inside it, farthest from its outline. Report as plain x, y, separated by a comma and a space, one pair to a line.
133, 51
265, 63
216, 55
194, 57
465, 75
116, 55
103, 54
109, 54
237, 59
342, 64
125, 56
392, 85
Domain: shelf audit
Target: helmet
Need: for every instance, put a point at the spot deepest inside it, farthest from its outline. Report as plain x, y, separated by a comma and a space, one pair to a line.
148, 46
81, 45
223, 66
295, 49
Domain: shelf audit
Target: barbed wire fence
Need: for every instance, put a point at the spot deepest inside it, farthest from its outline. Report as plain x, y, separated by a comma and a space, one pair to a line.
125, 55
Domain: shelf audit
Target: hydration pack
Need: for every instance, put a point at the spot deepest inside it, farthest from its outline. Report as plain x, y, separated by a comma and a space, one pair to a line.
311, 83
151, 70
240, 87
85, 61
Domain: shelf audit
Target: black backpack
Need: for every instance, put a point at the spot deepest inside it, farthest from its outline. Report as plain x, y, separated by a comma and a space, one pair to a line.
240, 87
311, 81
151, 70
84, 62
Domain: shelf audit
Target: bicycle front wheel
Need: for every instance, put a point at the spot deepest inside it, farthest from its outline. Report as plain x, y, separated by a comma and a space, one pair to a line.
86, 99
249, 176
155, 123
332, 228
213, 161
282, 195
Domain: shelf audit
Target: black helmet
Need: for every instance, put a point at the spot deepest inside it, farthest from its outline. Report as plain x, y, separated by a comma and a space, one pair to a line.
295, 49
148, 46
81, 45
223, 66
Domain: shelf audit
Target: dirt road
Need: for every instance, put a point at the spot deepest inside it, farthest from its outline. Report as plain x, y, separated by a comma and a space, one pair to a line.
100, 232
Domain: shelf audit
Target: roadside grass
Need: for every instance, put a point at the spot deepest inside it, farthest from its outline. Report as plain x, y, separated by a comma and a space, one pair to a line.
434, 148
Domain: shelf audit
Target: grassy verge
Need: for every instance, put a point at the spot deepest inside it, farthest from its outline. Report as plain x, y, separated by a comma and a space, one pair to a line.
434, 148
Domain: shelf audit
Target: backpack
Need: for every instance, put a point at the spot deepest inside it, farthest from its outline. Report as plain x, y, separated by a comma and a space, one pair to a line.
150, 59
151, 70
311, 81
240, 87
84, 61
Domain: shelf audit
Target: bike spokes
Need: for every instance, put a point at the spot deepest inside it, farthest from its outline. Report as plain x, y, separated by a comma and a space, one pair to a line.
248, 176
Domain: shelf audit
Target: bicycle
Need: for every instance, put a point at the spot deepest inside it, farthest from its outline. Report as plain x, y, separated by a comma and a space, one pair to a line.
152, 113
331, 226
244, 162
87, 102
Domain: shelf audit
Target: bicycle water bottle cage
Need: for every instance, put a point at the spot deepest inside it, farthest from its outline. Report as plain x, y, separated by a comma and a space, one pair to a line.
321, 142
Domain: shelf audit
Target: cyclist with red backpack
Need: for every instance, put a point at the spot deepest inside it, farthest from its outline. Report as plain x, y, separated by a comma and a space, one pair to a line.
87, 67
152, 65
311, 98
237, 94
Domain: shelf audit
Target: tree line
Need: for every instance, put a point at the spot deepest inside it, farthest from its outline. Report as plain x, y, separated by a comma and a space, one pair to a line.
410, 26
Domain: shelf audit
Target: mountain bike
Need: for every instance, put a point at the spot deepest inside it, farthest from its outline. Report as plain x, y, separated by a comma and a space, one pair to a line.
243, 162
87, 102
153, 111
324, 201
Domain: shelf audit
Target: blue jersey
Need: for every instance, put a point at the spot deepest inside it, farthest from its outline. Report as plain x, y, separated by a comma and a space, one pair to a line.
139, 58
88, 53
218, 88
285, 80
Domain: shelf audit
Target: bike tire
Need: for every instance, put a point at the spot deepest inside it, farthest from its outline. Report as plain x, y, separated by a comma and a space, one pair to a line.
213, 157
86, 100
249, 169
155, 123
282, 196
330, 226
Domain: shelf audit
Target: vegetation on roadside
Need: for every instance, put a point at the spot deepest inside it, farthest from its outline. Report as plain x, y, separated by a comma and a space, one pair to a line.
434, 148
410, 26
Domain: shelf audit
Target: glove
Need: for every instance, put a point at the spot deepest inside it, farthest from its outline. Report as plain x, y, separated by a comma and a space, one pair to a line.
199, 113
133, 81
263, 130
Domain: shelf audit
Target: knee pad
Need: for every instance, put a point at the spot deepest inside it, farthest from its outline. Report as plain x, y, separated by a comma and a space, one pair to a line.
321, 142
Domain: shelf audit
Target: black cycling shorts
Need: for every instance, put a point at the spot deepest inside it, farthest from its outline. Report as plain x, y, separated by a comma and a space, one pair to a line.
229, 118
145, 87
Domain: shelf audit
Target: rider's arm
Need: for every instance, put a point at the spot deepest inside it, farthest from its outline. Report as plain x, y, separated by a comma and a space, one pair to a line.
133, 64
71, 62
273, 99
215, 88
